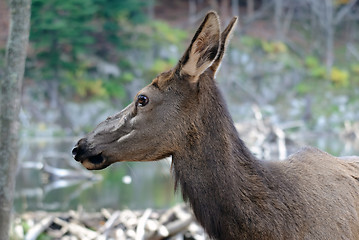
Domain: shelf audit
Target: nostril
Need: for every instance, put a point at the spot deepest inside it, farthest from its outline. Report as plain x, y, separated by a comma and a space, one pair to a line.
74, 151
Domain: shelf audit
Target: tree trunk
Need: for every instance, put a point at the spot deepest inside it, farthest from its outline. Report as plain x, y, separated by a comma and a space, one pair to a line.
192, 9
151, 9
330, 28
235, 7
224, 11
10, 97
278, 19
250, 8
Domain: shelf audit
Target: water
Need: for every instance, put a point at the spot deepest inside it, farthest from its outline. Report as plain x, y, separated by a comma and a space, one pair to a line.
42, 184
122, 185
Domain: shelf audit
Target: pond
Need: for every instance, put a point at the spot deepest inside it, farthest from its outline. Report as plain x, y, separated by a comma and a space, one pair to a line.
49, 179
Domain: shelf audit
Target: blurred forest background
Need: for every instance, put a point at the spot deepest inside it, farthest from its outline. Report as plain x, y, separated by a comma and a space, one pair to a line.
291, 64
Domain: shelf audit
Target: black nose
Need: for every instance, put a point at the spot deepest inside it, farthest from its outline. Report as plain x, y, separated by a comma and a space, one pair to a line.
74, 151
78, 150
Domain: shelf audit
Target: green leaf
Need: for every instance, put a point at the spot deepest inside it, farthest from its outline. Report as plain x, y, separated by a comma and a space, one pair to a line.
312, 62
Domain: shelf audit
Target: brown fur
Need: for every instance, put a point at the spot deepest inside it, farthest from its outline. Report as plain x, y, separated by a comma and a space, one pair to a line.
312, 195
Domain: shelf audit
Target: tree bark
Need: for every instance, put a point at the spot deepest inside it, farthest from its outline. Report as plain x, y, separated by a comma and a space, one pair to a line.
250, 8
278, 18
192, 9
330, 29
10, 95
235, 8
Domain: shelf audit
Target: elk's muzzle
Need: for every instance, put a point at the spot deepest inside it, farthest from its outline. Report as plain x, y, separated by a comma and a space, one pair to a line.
82, 154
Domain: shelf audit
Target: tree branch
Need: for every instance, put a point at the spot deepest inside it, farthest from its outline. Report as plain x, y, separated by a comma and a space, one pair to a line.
344, 11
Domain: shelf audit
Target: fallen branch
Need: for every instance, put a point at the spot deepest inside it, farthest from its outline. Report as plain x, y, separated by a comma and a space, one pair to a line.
77, 230
175, 223
140, 231
36, 230
171, 228
109, 223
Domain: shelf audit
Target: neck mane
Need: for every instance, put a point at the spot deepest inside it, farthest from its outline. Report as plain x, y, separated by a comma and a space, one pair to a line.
225, 184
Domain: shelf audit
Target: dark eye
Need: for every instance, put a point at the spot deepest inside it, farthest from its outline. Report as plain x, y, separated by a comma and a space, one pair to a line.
142, 100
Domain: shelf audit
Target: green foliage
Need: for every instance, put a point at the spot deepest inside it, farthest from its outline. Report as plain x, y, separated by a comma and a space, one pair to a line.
63, 32
311, 62
250, 42
116, 21
109, 11
85, 86
25, 226
314, 68
355, 68
318, 72
354, 74
114, 88
303, 88
127, 77
274, 47
315, 77
162, 32
44, 236
339, 77
60, 31
160, 65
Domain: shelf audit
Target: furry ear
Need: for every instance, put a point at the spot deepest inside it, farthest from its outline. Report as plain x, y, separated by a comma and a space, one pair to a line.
225, 36
203, 49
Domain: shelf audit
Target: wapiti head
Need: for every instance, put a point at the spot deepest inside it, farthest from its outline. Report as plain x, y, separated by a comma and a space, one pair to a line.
160, 120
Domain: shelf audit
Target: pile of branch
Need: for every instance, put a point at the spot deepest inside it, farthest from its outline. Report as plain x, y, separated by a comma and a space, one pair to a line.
266, 140
176, 223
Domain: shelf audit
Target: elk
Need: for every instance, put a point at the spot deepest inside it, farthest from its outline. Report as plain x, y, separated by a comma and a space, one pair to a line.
311, 195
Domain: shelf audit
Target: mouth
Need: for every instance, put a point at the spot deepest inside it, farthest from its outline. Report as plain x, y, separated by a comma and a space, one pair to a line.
95, 162
97, 159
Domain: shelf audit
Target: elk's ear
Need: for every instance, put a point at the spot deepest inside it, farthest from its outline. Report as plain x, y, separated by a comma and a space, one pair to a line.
203, 49
225, 36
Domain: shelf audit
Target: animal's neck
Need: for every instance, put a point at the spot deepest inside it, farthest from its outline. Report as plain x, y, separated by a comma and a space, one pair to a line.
216, 171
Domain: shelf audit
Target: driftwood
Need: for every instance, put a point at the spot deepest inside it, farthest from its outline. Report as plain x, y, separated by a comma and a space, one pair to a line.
175, 223
35, 231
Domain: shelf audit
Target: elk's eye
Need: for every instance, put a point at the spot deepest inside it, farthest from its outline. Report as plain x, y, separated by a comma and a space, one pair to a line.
142, 100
